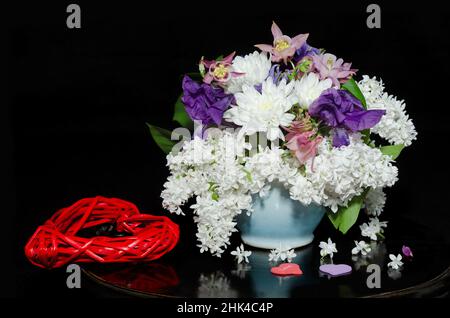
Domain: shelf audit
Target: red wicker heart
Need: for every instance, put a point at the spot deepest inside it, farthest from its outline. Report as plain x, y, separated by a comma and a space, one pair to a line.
146, 238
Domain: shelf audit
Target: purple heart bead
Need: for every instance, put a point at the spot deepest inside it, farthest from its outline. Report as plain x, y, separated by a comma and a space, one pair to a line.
335, 269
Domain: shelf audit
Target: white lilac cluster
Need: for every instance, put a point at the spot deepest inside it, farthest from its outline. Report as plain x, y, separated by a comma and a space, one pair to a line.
210, 170
217, 173
395, 126
339, 174
375, 201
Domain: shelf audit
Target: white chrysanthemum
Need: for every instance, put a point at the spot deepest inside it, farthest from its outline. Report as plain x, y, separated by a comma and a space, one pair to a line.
255, 66
395, 126
375, 201
263, 111
309, 88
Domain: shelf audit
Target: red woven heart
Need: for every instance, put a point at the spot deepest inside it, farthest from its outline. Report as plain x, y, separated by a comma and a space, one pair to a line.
56, 243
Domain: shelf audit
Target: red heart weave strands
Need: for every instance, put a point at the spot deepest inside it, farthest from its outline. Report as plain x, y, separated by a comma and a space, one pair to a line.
146, 237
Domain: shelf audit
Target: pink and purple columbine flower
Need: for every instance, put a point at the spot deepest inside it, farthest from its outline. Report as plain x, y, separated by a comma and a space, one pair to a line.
343, 113
328, 66
303, 140
205, 102
219, 71
283, 47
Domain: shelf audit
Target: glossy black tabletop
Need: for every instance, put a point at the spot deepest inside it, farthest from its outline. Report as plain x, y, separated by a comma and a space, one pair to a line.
187, 273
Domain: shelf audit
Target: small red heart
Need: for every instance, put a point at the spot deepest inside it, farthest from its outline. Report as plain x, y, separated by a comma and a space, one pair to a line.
286, 269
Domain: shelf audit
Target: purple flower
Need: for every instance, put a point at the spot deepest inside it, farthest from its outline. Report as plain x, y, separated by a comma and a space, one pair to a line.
342, 112
204, 102
406, 251
277, 74
305, 51
328, 66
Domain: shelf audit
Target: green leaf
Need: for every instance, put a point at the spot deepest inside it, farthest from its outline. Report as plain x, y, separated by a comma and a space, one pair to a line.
353, 88
345, 217
162, 137
181, 116
393, 150
366, 137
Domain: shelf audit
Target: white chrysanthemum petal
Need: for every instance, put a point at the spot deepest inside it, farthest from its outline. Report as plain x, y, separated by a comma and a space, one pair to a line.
309, 88
263, 111
255, 66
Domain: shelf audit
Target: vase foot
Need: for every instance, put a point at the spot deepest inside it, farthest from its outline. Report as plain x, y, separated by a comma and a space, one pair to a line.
272, 243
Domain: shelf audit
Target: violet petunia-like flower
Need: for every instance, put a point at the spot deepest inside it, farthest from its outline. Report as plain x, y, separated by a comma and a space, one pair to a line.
328, 66
342, 112
204, 102
219, 71
283, 47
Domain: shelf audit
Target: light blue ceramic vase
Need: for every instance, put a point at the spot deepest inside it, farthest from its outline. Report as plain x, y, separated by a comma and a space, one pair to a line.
277, 219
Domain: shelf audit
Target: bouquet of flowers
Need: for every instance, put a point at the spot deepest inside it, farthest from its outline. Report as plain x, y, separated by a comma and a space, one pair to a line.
289, 113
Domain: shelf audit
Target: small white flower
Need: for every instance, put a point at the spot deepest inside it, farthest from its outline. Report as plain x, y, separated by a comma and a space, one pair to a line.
368, 231
327, 248
373, 229
241, 254
273, 255
287, 255
284, 254
361, 247
396, 261
378, 225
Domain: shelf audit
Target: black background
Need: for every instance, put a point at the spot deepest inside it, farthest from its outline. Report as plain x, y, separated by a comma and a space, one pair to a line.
78, 99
